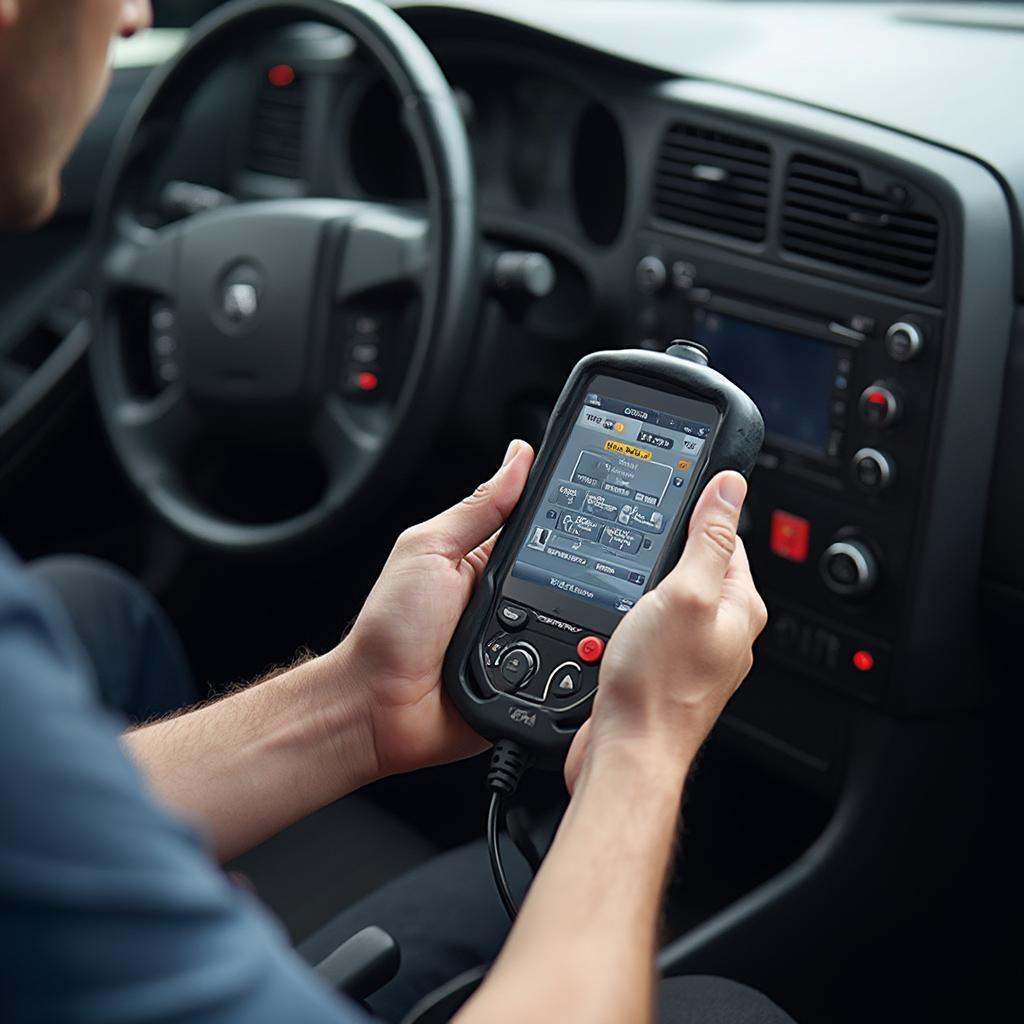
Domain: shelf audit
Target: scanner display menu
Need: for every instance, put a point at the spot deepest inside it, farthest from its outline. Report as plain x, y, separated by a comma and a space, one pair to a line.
621, 480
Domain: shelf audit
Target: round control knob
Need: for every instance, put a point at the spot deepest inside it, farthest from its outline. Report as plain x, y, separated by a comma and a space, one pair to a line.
849, 568
517, 666
879, 405
651, 275
904, 341
691, 351
872, 470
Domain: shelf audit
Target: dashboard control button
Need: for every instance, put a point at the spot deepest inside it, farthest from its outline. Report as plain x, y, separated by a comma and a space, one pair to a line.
904, 341
365, 352
512, 616
566, 680
650, 275
517, 666
849, 568
684, 275
590, 649
862, 323
162, 317
873, 471
790, 536
879, 406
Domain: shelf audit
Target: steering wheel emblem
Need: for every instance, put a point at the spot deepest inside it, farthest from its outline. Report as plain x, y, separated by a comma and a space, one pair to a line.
238, 297
241, 300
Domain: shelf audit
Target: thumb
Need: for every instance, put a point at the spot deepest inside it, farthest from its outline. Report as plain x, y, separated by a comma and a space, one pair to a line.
474, 519
712, 540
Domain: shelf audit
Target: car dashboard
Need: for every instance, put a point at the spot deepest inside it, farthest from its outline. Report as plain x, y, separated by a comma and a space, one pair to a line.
856, 279
839, 240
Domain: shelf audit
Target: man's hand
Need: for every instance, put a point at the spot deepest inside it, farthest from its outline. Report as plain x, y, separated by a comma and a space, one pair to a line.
583, 946
253, 763
681, 653
397, 645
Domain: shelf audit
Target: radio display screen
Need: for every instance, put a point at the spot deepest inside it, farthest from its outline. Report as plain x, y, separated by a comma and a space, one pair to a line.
621, 480
789, 376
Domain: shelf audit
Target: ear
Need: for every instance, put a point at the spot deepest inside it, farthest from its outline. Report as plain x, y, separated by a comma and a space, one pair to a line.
9, 10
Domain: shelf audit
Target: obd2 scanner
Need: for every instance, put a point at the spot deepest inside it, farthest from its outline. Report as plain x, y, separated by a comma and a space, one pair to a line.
633, 439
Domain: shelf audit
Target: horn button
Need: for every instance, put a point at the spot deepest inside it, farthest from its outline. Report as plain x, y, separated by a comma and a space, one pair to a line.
247, 295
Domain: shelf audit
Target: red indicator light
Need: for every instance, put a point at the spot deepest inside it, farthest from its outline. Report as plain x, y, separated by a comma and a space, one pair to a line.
281, 75
367, 381
877, 398
863, 661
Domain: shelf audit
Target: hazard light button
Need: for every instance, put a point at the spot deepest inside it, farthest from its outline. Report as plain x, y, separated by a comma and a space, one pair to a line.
790, 536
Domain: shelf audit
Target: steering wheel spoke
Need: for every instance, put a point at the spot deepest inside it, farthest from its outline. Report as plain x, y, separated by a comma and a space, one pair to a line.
383, 246
165, 424
344, 443
143, 259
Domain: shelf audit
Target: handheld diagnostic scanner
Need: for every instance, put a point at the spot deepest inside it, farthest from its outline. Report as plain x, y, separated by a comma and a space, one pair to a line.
633, 439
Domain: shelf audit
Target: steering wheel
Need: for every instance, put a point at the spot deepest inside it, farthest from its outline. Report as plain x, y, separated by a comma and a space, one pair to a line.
258, 297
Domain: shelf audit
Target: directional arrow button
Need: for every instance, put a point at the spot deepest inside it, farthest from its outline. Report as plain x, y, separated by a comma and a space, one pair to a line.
566, 680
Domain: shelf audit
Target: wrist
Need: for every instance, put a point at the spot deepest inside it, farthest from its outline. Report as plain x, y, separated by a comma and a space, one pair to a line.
334, 694
654, 763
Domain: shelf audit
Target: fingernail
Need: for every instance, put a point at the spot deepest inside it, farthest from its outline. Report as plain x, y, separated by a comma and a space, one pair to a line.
732, 489
510, 453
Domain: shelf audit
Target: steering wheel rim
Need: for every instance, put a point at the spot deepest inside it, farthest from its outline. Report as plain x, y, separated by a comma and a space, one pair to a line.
441, 256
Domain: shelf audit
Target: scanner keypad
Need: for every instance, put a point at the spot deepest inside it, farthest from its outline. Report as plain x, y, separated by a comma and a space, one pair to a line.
538, 660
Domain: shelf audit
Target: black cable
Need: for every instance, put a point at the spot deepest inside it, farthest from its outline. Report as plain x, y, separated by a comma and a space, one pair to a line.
494, 814
515, 825
508, 763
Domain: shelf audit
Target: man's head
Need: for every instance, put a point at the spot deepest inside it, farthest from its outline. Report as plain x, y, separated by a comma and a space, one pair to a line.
53, 74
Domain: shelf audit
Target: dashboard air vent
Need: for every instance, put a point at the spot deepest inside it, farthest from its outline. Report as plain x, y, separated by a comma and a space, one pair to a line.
711, 180
829, 214
277, 129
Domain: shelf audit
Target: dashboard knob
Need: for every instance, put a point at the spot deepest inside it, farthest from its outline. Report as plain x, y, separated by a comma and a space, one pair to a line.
904, 341
849, 568
873, 471
651, 275
879, 405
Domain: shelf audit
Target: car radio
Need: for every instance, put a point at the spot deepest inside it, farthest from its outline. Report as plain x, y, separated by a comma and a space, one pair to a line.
631, 443
846, 381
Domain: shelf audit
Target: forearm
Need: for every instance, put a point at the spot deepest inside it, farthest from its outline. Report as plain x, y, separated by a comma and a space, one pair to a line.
584, 944
261, 759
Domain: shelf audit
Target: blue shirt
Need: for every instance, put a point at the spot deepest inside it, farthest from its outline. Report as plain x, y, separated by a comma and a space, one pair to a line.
110, 910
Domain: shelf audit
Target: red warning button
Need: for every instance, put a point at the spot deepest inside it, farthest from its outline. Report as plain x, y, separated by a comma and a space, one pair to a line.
590, 649
790, 537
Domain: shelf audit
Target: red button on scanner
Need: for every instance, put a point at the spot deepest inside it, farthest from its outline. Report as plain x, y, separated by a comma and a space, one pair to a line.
791, 536
590, 649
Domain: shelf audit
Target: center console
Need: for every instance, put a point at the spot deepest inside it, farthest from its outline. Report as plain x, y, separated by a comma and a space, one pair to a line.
847, 386
840, 288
